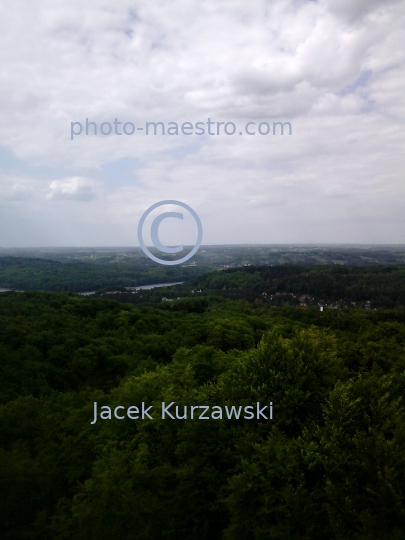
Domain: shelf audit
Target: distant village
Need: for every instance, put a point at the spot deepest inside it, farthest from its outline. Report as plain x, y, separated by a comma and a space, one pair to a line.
276, 299
280, 298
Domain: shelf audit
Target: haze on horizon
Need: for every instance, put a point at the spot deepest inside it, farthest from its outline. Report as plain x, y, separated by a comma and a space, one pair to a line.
334, 69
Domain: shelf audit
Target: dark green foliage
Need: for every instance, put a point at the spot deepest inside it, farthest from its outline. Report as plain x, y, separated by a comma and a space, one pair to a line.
330, 465
288, 285
382, 285
41, 274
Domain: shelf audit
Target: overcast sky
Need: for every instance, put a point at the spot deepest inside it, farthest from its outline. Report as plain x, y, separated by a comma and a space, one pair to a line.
334, 69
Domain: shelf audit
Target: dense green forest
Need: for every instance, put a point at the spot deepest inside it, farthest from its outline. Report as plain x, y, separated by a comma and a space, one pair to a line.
371, 286
328, 271
40, 274
329, 465
383, 285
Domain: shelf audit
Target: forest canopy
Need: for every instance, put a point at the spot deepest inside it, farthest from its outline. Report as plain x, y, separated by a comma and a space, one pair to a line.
331, 463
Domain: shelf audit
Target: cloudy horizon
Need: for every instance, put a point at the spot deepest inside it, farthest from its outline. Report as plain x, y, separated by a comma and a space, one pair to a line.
333, 69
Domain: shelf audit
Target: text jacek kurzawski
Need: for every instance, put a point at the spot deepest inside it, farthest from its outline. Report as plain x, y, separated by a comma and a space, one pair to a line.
171, 411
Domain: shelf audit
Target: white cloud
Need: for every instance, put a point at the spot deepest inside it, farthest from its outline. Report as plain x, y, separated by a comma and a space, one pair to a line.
334, 68
16, 188
74, 189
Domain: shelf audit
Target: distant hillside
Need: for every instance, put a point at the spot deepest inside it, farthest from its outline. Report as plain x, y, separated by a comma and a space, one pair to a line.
381, 285
41, 274
367, 286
